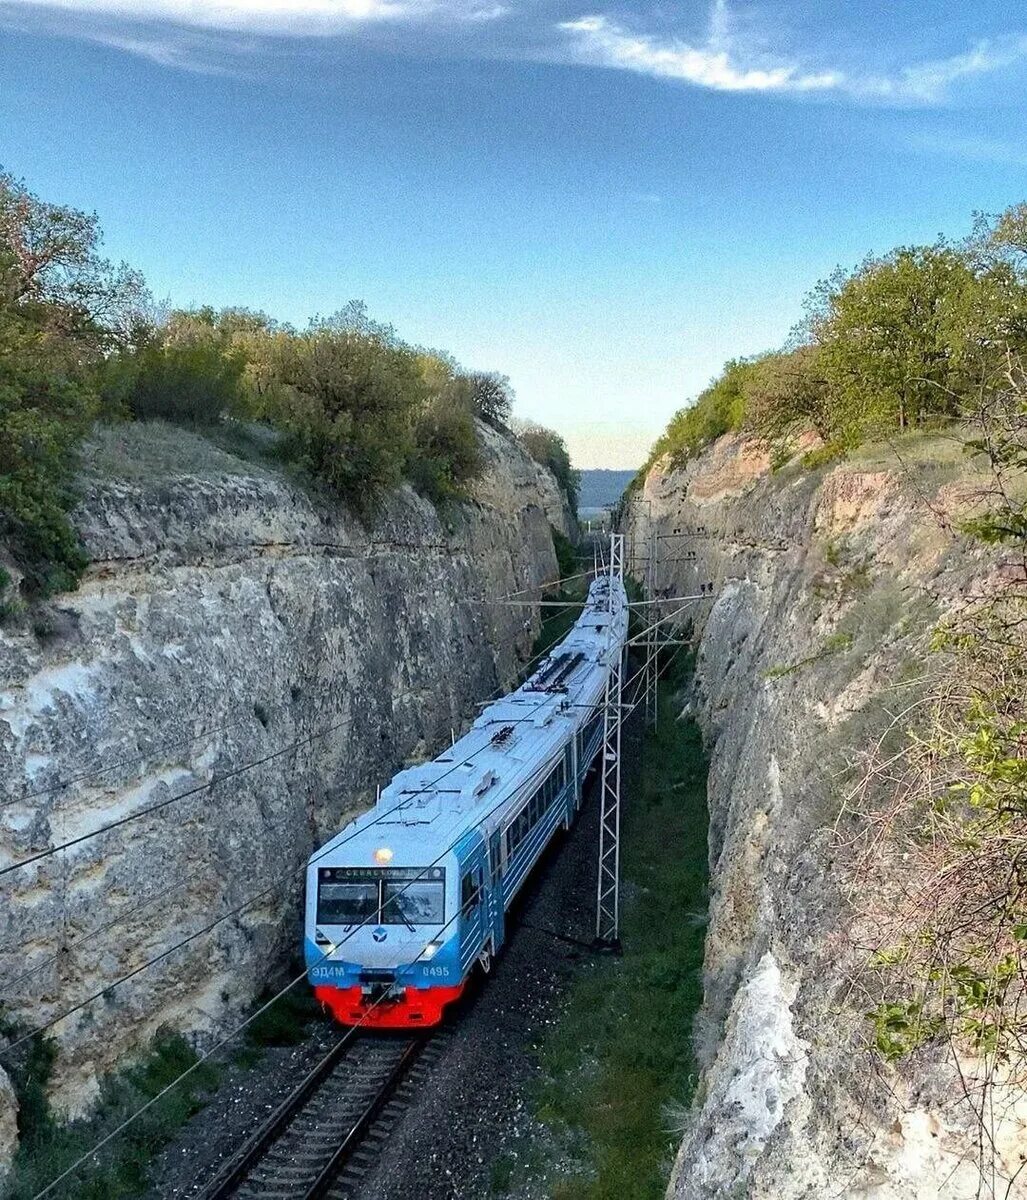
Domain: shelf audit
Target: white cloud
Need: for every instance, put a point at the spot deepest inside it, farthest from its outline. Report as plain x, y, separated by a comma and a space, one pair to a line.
190, 34
600, 42
722, 63
300, 17
183, 53
929, 81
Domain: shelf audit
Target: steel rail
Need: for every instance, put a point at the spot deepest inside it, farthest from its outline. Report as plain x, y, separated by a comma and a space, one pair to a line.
364, 1122
236, 1169
235, 1177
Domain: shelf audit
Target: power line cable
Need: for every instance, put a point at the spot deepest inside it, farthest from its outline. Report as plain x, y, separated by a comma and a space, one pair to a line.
94, 771
310, 860
231, 773
132, 911
238, 1029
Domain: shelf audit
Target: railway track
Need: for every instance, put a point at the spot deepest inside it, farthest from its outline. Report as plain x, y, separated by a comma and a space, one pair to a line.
325, 1136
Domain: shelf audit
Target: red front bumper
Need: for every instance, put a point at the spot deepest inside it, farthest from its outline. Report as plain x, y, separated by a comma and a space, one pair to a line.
417, 1006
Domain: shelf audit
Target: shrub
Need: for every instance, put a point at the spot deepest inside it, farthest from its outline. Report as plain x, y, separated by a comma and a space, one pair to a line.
46, 1148
347, 404
491, 397
446, 454
787, 394
355, 406
566, 557
823, 456
186, 372
718, 410
547, 447
950, 805
46, 405
898, 343
63, 308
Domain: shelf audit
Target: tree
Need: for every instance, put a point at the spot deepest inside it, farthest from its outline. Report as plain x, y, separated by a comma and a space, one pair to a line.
884, 338
716, 411
492, 397
46, 405
349, 395
788, 394
63, 307
446, 454
54, 263
188, 371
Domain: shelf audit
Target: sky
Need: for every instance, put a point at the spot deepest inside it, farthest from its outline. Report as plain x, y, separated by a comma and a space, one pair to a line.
602, 199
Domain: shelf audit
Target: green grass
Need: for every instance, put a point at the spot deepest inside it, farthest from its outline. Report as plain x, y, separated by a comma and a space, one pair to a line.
47, 1148
286, 1021
622, 1053
141, 451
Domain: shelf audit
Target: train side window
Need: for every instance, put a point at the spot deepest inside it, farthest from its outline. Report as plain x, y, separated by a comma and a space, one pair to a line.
470, 890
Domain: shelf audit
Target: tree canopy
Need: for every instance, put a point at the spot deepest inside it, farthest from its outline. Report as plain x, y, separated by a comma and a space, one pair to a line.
547, 447
898, 343
63, 308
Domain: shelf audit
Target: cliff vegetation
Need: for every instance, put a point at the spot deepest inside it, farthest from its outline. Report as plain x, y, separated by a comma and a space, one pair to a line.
902, 342
344, 402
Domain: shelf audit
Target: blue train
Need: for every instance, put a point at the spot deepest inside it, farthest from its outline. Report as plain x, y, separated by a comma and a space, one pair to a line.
405, 901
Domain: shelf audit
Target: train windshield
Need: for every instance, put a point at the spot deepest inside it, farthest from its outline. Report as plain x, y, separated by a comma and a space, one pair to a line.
421, 902
389, 896
347, 903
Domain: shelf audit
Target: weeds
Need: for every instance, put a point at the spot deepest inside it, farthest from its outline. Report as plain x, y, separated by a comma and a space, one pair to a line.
943, 820
48, 1148
285, 1022
837, 643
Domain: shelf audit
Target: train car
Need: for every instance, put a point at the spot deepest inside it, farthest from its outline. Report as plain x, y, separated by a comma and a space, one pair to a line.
406, 900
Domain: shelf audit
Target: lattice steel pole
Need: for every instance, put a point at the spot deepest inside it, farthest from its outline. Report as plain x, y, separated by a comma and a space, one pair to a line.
608, 893
651, 641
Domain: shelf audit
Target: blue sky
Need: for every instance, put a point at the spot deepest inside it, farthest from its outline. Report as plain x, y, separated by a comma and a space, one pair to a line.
602, 200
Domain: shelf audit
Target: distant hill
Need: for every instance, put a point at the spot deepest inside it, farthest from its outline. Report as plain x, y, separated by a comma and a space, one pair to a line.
601, 489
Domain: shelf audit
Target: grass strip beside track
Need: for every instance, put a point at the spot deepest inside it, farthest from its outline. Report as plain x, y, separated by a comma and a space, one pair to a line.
620, 1062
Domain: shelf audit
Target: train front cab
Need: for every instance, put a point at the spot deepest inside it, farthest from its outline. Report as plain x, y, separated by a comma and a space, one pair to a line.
396, 923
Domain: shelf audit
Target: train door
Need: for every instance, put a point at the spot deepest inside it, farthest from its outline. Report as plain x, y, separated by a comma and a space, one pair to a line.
571, 793
474, 917
497, 911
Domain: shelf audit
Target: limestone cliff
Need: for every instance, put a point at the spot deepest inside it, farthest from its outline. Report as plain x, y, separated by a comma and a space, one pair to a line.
809, 636
228, 618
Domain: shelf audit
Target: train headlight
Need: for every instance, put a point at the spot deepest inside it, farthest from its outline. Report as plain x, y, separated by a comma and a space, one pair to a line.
383, 856
429, 952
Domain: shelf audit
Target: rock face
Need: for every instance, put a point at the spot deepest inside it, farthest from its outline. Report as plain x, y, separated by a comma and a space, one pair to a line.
816, 590
8, 1126
250, 663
